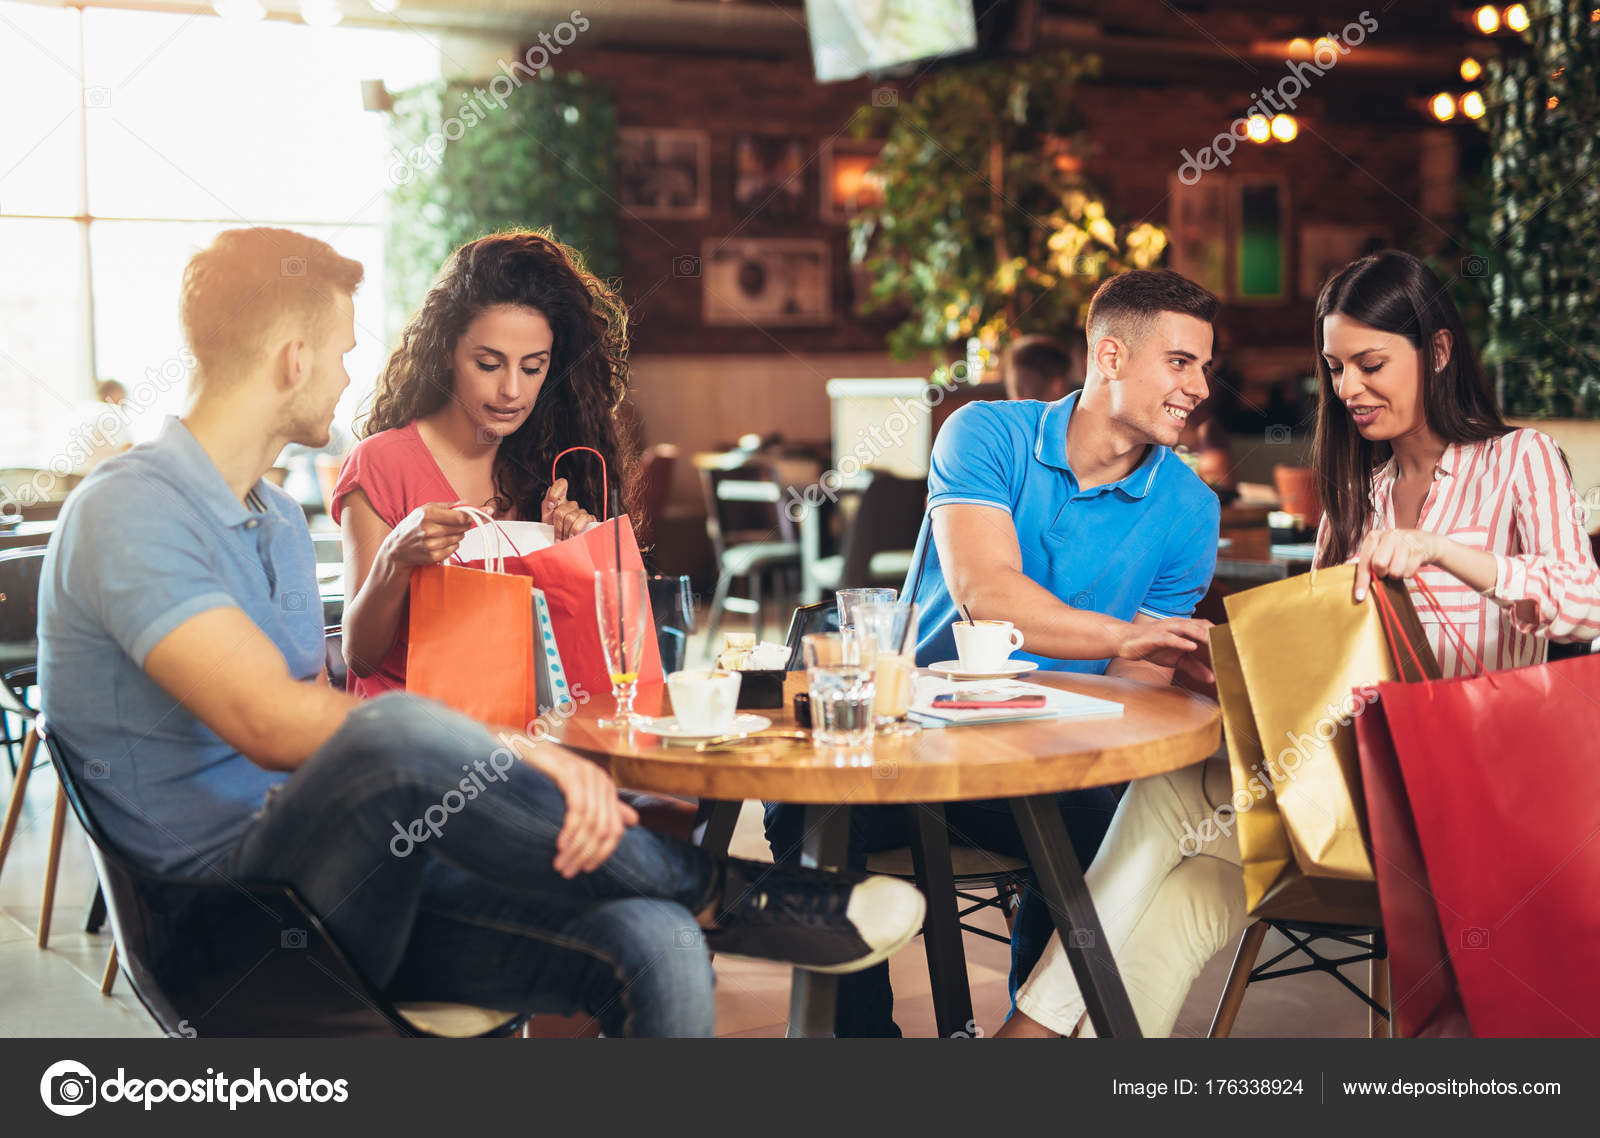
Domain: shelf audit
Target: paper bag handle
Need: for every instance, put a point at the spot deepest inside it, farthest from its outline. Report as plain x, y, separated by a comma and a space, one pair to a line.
1389, 618
496, 562
605, 494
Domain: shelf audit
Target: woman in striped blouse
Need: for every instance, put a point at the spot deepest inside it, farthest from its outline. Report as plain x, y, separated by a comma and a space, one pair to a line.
1421, 478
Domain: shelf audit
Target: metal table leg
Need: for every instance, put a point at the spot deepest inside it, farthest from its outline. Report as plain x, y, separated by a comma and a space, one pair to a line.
941, 929
716, 832
1062, 886
813, 995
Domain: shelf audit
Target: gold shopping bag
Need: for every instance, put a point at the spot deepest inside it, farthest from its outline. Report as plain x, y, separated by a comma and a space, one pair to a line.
1296, 651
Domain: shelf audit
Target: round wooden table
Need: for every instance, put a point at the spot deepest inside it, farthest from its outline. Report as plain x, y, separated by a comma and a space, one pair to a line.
1160, 729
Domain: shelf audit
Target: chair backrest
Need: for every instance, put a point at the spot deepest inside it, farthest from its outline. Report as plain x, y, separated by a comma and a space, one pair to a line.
820, 617
222, 957
19, 626
744, 501
888, 518
333, 656
655, 482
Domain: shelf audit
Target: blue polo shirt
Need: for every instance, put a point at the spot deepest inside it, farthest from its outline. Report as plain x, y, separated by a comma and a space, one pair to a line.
150, 539
1144, 544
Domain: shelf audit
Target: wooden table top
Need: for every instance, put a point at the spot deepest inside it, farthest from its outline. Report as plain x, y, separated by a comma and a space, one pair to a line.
1160, 730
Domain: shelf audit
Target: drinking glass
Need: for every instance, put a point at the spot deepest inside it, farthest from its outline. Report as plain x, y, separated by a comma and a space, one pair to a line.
621, 604
672, 605
893, 630
849, 600
839, 668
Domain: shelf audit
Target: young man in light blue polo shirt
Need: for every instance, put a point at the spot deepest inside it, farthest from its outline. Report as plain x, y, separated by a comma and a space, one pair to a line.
1074, 521
181, 665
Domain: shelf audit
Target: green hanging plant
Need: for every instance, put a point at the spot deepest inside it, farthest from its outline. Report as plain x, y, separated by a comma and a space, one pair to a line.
464, 166
1544, 229
988, 228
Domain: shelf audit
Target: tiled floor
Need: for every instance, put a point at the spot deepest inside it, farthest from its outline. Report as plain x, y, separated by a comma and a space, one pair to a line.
55, 992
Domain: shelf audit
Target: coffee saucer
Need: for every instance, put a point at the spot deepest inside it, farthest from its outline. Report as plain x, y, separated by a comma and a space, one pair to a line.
952, 670
667, 727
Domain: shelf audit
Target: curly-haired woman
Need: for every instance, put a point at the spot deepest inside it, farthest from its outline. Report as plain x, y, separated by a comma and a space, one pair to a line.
517, 353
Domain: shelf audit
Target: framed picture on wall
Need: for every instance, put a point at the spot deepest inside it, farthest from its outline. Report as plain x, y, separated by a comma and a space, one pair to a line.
1198, 227
1260, 240
769, 175
766, 281
849, 181
664, 173
1325, 249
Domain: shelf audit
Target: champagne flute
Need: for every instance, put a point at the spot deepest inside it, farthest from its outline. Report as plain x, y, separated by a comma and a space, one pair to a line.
621, 604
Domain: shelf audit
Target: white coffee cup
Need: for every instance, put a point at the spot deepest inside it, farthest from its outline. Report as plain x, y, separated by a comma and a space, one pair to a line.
984, 645
704, 702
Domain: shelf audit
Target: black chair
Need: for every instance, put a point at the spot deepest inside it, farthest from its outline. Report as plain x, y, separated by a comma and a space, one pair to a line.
19, 653
1003, 878
1303, 938
244, 958
878, 547
752, 535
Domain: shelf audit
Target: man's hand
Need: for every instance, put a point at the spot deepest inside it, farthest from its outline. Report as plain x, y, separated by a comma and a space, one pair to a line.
596, 817
1180, 643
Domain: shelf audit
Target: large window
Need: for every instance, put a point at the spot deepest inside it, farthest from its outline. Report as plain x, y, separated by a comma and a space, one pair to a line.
130, 139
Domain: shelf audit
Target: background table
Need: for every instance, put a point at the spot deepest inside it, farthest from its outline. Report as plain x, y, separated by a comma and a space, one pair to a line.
1161, 729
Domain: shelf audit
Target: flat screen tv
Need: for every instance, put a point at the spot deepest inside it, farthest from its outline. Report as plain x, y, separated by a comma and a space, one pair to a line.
850, 38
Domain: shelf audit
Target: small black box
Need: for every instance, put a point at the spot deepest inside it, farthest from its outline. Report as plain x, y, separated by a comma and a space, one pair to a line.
761, 689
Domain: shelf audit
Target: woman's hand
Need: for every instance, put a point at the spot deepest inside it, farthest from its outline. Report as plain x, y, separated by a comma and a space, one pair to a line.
1397, 553
568, 518
427, 535
596, 818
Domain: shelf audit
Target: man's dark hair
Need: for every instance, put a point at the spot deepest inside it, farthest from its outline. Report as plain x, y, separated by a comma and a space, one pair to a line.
1040, 367
1126, 305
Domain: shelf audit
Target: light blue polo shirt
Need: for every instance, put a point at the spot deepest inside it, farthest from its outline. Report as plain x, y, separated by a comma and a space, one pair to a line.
150, 539
1144, 544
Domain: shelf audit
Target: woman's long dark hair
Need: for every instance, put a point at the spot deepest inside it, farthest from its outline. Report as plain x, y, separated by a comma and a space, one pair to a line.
583, 389
1395, 293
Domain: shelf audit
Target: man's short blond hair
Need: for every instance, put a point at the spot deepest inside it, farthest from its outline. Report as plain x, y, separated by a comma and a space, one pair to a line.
238, 291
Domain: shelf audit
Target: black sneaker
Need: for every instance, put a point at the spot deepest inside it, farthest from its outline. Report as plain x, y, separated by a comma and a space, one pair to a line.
811, 919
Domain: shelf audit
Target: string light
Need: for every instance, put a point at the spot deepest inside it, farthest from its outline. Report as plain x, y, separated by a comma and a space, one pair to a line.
1444, 107
1471, 69
1551, 103
1487, 19
1284, 128
1472, 105
1300, 47
1258, 128
1517, 18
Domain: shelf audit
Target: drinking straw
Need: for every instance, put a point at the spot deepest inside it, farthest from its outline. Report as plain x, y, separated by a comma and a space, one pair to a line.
616, 547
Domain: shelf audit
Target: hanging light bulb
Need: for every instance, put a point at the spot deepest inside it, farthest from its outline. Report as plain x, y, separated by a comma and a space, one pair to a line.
1472, 105
1551, 103
239, 11
1487, 20
1258, 128
1299, 47
1516, 17
320, 13
1284, 128
1443, 107
1471, 69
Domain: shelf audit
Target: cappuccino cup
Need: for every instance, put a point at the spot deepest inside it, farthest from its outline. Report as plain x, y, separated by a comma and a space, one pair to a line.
704, 702
985, 645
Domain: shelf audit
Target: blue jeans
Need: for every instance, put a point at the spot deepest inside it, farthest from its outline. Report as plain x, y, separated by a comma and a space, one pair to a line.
426, 849
866, 999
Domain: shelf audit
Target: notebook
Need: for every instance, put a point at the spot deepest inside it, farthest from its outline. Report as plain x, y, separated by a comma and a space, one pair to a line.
1058, 704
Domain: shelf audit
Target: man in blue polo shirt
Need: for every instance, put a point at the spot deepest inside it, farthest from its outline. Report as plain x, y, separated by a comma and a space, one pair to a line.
1074, 521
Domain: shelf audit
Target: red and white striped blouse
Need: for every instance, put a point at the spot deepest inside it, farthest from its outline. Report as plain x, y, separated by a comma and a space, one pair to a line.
1511, 496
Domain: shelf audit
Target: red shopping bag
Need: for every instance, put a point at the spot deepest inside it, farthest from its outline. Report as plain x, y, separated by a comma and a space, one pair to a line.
471, 643
1499, 771
565, 573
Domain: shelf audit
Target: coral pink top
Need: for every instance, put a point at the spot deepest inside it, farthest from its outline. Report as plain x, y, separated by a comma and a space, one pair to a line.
397, 473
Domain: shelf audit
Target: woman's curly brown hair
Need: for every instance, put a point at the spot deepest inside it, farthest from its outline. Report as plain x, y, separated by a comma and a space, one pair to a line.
585, 385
